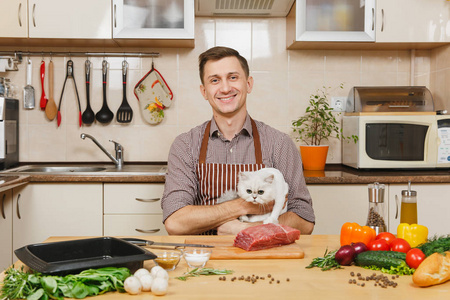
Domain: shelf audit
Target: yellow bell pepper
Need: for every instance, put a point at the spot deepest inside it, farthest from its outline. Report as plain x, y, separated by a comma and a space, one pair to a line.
414, 234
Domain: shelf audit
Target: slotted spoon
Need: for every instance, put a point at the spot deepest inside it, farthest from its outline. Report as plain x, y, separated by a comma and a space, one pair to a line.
124, 113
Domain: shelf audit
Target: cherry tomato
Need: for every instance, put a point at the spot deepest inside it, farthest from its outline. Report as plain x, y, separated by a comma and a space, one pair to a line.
414, 258
389, 237
378, 245
400, 245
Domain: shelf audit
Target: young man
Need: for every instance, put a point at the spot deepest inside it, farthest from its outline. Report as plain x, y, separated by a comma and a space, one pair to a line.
204, 162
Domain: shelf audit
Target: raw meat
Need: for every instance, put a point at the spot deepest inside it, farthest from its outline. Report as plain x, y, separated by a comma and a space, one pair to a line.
266, 236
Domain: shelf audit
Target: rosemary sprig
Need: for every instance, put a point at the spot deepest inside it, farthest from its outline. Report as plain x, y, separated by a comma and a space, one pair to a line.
327, 262
204, 271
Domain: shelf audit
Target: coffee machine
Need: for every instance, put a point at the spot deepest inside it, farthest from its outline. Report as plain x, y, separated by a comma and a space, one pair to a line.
9, 133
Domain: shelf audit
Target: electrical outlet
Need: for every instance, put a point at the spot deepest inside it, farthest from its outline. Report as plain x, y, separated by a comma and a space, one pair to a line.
338, 103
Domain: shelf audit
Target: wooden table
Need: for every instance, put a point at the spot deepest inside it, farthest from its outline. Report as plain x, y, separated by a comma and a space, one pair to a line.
303, 283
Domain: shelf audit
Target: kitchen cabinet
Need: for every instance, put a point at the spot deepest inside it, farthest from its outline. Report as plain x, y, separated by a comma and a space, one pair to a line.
424, 22
335, 204
370, 24
154, 22
14, 20
133, 209
5, 229
41, 210
81, 19
332, 21
433, 206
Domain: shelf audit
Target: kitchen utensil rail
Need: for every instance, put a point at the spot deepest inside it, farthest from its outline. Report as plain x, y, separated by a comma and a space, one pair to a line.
20, 54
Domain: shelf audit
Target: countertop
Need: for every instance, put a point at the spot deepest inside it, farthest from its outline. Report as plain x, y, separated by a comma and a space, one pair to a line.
136, 173
303, 283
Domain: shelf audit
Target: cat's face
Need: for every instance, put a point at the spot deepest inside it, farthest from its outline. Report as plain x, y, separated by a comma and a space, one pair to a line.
255, 187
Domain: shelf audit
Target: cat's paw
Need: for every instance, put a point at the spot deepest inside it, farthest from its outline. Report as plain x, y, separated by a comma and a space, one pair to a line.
270, 221
244, 218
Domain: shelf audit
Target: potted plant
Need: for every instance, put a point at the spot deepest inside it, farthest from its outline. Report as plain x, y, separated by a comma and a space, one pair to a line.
315, 126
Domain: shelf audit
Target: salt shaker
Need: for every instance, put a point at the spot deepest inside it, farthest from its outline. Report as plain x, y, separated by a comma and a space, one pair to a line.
377, 208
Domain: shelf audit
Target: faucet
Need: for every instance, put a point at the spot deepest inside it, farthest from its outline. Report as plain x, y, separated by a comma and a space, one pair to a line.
118, 147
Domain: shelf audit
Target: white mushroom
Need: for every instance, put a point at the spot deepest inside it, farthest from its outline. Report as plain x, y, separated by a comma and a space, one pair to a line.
132, 285
159, 286
141, 272
146, 281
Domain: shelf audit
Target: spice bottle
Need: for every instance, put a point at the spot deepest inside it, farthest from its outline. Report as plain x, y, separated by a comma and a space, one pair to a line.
377, 208
408, 209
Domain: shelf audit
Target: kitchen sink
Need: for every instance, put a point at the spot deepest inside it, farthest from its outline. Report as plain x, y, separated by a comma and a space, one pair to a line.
100, 169
61, 169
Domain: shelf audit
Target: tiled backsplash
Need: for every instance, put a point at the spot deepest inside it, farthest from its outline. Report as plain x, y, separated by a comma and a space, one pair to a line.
284, 79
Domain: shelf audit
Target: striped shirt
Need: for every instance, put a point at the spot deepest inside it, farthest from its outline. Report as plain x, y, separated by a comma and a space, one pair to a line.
278, 151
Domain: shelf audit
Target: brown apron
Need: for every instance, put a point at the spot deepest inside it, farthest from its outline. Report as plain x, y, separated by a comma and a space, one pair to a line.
215, 179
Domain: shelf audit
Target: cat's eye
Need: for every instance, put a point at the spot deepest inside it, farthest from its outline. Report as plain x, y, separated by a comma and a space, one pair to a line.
260, 192
249, 191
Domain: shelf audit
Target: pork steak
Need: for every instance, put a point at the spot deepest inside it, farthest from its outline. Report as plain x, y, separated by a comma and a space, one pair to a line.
266, 236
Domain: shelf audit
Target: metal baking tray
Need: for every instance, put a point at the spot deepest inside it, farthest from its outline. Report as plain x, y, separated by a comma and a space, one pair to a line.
70, 257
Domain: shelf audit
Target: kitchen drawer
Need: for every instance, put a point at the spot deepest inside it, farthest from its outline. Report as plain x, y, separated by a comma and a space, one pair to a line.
126, 225
136, 198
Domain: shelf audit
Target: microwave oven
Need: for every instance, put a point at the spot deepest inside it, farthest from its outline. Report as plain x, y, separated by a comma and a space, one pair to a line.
397, 141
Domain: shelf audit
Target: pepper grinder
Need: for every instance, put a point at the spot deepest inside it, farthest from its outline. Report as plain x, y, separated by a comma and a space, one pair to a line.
377, 208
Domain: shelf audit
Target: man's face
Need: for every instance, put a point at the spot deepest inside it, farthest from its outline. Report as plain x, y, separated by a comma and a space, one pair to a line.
226, 86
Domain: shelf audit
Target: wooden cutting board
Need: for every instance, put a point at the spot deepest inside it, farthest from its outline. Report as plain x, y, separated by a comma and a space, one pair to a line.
223, 249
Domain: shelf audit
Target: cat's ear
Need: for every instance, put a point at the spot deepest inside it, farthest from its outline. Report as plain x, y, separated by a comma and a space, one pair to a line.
243, 176
269, 179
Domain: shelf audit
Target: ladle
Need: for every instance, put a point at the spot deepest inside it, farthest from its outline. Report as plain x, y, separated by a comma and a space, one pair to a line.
88, 116
104, 115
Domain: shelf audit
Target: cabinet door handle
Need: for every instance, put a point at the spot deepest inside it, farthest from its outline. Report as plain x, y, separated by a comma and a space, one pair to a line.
373, 19
147, 231
3, 207
17, 207
115, 16
148, 200
34, 20
382, 20
19, 13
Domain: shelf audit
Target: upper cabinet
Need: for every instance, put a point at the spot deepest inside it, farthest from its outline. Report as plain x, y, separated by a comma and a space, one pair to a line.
135, 21
14, 20
413, 21
335, 20
81, 19
368, 24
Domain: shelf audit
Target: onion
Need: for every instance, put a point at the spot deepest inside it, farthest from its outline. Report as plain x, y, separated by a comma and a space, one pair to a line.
345, 255
359, 247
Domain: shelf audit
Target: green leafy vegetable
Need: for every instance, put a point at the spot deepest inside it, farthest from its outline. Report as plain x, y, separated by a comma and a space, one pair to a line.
400, 270
436, 244
18, 284
204, 271
327, 262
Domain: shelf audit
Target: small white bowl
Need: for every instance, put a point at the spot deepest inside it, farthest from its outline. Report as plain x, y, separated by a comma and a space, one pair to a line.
197, 257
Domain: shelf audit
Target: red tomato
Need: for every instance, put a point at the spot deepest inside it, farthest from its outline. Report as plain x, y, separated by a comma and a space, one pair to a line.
414, 258
389, 237
400, 245
378, 245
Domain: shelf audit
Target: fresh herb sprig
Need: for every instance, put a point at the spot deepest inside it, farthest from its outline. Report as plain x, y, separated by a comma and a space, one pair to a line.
438, 244
325, 263
204, 271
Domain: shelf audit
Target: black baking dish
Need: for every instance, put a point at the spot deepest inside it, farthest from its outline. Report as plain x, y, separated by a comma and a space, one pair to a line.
70, 257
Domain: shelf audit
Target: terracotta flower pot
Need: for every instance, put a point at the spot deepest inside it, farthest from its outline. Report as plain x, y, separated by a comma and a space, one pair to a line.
314, 157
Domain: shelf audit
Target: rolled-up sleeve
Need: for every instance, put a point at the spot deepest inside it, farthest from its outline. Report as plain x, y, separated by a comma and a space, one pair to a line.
287, 159
181, 182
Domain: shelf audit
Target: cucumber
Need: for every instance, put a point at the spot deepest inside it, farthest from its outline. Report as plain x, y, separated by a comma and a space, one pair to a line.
381, 259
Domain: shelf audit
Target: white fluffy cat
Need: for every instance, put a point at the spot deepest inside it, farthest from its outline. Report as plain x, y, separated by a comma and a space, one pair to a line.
260, 187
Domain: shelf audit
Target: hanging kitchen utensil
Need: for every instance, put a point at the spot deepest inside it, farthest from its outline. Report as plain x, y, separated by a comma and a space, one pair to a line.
88, 116
44, 99
104, 115
50, 108
28, 90
69, 74
154, 95
124, 113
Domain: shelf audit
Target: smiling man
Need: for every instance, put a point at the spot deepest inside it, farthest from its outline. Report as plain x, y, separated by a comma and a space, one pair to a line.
204, 162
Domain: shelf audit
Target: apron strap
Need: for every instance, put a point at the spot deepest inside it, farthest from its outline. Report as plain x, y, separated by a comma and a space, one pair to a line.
256, 143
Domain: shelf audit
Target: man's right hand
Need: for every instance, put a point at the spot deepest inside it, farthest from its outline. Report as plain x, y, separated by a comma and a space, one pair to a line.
257, 209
